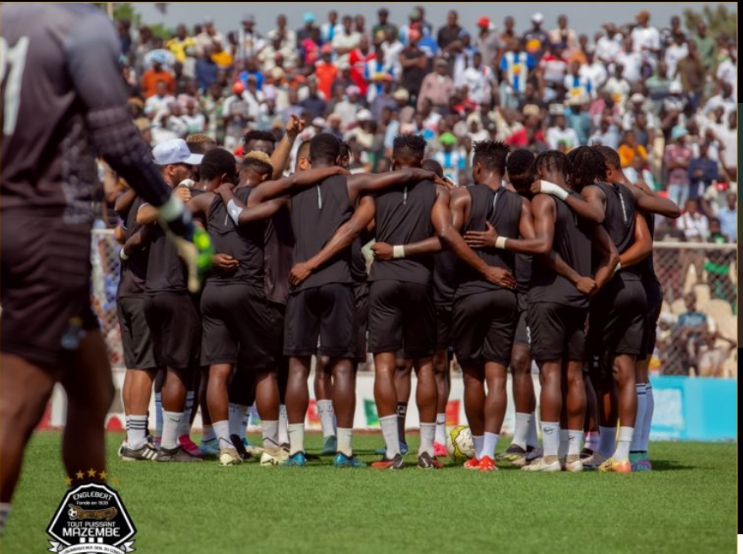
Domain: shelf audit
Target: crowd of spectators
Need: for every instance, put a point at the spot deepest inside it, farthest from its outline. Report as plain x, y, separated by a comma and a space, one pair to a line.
665, 98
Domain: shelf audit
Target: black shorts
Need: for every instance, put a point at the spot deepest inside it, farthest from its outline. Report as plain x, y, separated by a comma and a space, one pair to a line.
444, 335
484, 326
136, 338
176, 330
361, 300
616, 324
654, 294
45, 274
557, 331
402, 316
327, 312
523, 333
239, 327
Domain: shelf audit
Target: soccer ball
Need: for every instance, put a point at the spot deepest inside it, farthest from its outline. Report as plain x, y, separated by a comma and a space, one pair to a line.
459, 444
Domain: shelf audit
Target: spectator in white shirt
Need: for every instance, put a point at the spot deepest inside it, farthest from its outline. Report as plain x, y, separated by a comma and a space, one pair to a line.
288, 37
645, 39
637, 105
594, 70
676, 52
209, 37
392, 48
347, 40
561, 138
563, 35
159, 101
617, 86
631, 60
609, 45
479, 80
638, 171
727, 72
331, 27
724, 99
693, 223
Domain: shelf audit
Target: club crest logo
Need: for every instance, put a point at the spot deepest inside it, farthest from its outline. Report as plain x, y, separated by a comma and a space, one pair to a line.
91, 519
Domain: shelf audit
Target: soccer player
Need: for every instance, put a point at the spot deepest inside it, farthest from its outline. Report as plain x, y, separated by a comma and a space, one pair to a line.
238, 325
485, 314
62, 97
645, 402
558, 307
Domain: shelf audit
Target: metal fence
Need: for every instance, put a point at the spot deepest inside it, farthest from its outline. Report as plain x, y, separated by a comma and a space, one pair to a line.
708, 270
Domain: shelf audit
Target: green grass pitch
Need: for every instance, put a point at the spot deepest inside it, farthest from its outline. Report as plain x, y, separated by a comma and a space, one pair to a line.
688, 504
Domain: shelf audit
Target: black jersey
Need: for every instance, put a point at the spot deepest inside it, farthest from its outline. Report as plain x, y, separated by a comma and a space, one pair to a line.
502, 209
317, 213
244, 243
403, 216
444, 277
523, 267
572, 243
277, 256
358, 262
619, 222
133, 274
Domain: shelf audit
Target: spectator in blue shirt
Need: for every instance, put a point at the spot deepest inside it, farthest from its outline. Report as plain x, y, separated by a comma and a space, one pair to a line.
728, 217
578, 119
206, 71
693, 324
251, 68
702, 172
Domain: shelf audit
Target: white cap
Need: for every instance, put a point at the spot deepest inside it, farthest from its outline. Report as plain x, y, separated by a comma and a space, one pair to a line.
319, 122
175, 151
637, 97
675, 88
364, 115
537, 17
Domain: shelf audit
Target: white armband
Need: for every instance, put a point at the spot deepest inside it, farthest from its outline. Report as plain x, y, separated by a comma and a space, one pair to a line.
553, 190
618, 267
234, 211
123, 255
398, 251
500, 242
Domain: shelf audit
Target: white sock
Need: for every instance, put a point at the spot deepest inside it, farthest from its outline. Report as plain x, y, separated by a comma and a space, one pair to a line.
490, 443
550, 438
4, 513
592, 441
327, 417
245, 422
532, 439
441, 429
607, 441
479, 441
270, 434
575, 440
428, 433
648, 420
642, 406
171, 421
158, 415
222, 431
184, 427
208, 434
136, 431
625, 439
236, 415
521, 430
391, 438
562, 450
345, 437
283, 425
296, 438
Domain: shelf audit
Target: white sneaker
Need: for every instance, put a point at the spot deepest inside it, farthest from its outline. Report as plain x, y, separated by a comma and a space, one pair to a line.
594, 461
274, 457
541, 465
573, 467
228, 456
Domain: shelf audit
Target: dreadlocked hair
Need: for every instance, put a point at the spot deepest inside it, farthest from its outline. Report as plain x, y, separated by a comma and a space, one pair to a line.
611, 156
491, 154
552, 160
588, 165
409, 143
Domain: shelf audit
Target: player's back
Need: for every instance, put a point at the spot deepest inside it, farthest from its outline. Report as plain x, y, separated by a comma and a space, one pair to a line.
47, 162
403, 216
619, 222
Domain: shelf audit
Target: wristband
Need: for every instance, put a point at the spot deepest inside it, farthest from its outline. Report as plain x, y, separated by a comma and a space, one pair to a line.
398, 251
553, 190
234, 211
123, 255
500, 242
618, 267
172, 209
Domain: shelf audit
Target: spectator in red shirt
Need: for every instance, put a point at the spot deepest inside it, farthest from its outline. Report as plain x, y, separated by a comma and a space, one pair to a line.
358, 59
153, 75
326, 71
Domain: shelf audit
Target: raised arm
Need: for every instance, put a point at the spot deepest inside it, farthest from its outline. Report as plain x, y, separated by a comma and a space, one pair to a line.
244, 215
450, 237
655, 204
641, 248
280, 156
591, 206
272, 189
341, 239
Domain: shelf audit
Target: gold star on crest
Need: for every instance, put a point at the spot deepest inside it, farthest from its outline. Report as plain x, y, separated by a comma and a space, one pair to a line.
68, 481
103, 475
91, 473
79, 475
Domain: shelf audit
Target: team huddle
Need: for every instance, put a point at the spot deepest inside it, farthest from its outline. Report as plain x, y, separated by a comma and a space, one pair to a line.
546, 258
